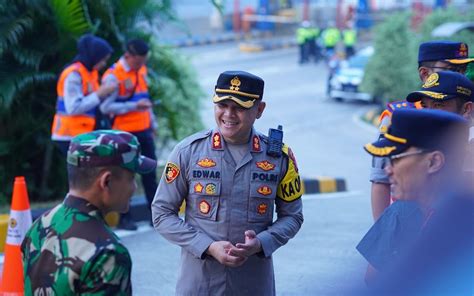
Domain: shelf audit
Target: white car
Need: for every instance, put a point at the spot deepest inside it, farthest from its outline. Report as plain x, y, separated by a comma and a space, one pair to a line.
344, 82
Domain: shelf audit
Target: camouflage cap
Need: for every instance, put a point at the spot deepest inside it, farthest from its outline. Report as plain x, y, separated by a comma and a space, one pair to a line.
109, 148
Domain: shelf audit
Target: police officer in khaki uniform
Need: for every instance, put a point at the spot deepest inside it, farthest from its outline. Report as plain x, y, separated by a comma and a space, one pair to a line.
232, 187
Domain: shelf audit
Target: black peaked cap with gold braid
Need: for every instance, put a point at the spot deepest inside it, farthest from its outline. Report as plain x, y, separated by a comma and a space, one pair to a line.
239, 86
422, 128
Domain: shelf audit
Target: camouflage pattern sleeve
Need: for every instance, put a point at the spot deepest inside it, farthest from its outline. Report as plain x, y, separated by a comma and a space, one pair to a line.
108, 273
289, 207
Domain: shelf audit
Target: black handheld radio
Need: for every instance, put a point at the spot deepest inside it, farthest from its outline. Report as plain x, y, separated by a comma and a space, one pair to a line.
275, 141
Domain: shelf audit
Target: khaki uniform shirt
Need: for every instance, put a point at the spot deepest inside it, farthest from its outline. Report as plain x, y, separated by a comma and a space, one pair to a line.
223, 200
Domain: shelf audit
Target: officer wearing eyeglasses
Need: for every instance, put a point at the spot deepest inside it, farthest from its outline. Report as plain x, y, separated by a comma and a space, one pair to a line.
424, 248
433, 57
448, 91
426, 149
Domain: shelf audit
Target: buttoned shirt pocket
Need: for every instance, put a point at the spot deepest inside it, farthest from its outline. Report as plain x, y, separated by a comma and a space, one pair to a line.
205, 186
261, 202
205, 196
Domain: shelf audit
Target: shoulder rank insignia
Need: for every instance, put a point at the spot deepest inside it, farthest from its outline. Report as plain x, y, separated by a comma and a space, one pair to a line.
206, 163
265, 165
216, 141
171, 172
399, 105
256, 144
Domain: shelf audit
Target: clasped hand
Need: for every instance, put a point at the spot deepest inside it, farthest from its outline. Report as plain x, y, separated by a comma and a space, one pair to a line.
228, 254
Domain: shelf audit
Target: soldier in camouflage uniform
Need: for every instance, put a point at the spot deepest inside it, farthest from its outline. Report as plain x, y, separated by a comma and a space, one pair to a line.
70, 250
232, 186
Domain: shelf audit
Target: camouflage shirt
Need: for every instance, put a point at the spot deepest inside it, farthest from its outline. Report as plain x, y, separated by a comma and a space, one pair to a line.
71, 251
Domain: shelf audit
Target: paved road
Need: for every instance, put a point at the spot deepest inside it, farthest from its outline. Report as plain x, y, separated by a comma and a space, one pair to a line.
327, 140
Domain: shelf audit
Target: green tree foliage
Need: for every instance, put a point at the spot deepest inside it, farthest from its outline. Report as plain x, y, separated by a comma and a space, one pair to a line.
392, 71
37, 39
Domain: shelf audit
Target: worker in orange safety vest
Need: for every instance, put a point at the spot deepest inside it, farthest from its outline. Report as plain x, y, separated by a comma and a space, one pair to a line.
131, 108
79, 93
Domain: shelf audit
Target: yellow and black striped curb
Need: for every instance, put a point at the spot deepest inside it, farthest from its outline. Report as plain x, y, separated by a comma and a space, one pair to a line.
323, 185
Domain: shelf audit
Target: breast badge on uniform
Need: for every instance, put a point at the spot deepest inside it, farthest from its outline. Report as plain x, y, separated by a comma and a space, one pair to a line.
265, 165
262, 208
206, 163
171, 172
211, 188
198, 188
204, 207
264, 190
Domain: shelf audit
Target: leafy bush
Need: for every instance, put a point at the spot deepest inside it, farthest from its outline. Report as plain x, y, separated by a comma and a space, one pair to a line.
392, 71
37, 39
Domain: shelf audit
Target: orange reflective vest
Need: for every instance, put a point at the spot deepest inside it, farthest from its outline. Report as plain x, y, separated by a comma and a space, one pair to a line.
66, 126
132, 87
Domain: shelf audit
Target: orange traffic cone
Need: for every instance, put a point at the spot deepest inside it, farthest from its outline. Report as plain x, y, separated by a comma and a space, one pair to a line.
20, 221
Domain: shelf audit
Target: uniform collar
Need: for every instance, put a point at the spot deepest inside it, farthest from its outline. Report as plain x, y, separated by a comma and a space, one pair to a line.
82, 205
218, 143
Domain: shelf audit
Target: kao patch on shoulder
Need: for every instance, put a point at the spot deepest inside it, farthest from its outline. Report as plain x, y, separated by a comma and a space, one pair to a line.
171, 172
291, 187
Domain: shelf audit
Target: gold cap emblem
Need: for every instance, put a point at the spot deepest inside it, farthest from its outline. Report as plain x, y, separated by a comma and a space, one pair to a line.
235, 83
431, 81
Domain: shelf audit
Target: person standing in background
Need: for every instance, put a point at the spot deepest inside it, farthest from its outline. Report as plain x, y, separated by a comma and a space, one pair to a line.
79, 93
131, 108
